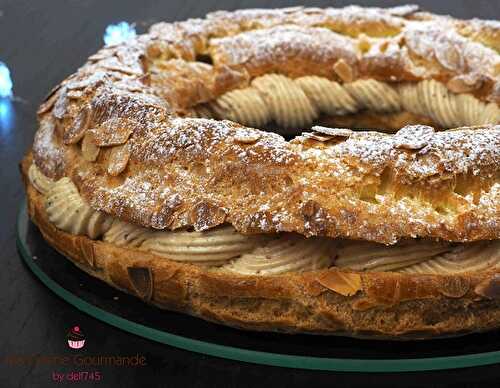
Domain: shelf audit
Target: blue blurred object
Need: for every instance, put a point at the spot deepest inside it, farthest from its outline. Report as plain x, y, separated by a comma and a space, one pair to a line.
5, 81
118, 33
6, 108
7, 116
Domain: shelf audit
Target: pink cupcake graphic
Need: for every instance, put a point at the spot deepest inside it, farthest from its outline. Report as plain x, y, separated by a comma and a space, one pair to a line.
76, 339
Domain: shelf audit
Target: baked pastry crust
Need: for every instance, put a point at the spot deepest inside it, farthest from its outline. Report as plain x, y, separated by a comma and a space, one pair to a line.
332, 301
118, 129
122, 101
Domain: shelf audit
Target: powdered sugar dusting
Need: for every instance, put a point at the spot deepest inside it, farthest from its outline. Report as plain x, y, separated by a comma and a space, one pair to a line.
441, 42
48, 155
360, 186
278, 45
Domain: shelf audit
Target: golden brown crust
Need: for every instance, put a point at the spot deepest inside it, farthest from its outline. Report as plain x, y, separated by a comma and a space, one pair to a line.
200, 172
116, 128
383, 305
113, 127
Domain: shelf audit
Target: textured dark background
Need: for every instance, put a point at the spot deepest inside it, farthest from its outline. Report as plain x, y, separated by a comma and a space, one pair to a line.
43, 42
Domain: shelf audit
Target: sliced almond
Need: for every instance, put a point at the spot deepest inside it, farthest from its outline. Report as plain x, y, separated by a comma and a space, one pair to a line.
61, 104
247, 137
489, 288
75, 133
343, 283
118, 159
364, 44
90, 150
74, 94
343, 70
142, 281
206, 215
49, 102
454, 286
337, 132
87, 252
463, 84
413, 137
114, 131
450, 58
317, 136
100, 55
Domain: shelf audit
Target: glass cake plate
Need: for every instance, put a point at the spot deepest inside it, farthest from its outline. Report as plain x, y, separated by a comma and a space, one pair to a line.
331, 353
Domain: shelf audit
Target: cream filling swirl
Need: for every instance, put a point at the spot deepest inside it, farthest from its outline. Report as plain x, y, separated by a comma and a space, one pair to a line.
123, 234
224, 247
470, 257
368, 256
215, 246
41, 183
241, 106
328, 96
287, 102
423, 257
289, 253
298, 102
67, 210
374, 95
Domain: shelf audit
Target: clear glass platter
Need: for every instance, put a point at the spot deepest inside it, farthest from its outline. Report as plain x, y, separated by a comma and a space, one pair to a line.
331, 353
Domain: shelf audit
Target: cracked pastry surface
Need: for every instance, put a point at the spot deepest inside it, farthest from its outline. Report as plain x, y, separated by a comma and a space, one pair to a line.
124, 112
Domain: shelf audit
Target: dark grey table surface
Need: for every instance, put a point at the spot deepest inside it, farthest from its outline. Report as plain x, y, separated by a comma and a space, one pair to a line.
43, 42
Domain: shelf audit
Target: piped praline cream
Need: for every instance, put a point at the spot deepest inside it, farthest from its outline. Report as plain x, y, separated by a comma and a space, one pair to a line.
228, 250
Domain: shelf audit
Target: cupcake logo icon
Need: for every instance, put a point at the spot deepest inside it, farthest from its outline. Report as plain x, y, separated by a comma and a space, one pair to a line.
76, 339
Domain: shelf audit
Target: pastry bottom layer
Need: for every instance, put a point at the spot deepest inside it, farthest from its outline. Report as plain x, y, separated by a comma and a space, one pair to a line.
330, 301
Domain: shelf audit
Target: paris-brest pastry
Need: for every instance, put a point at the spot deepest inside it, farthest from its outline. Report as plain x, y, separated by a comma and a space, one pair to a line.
206, 167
